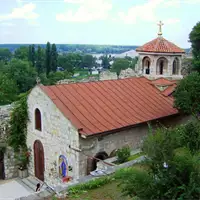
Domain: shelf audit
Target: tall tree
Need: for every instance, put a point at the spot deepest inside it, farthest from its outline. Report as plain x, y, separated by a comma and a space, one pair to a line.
33, 55
30, 53
54, 58
187, 94
195, 40
8, 91
105, 62
5, 54
39, 63
120, 64
22, 53
22, 73
48, 58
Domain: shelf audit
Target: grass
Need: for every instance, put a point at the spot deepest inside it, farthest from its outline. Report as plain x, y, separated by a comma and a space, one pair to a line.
137, 155
103, 188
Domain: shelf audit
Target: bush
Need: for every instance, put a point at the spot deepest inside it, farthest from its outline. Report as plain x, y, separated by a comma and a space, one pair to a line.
123, 154
173, 161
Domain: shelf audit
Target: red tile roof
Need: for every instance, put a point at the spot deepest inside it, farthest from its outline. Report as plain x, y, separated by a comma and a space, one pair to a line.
169, 90
104, 106
162, 82
160, 45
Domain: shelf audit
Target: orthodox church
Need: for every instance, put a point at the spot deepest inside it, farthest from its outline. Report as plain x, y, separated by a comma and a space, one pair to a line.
72, 125
160, 58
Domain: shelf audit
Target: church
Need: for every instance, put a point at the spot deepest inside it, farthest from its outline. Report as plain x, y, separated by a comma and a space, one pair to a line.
160, 58
71, 124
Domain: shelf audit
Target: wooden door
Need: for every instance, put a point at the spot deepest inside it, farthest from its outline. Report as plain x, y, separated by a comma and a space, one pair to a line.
39, 160
1, 165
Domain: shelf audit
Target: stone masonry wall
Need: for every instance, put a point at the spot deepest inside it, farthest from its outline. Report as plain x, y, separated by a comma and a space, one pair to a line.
132, 137
10, 167
56, 136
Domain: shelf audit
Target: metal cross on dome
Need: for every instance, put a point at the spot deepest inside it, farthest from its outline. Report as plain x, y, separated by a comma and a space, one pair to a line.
160, 24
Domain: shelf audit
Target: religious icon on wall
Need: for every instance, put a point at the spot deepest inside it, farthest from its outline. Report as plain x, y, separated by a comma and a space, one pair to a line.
63, 166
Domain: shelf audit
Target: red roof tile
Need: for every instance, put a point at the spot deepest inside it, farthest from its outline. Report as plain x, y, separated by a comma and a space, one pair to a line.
103, 106
169, 90
162, 82
160, 45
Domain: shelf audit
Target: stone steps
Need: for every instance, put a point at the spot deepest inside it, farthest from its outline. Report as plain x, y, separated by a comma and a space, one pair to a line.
30, 184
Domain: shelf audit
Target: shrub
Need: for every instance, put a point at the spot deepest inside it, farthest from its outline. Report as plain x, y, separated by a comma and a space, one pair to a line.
123, 154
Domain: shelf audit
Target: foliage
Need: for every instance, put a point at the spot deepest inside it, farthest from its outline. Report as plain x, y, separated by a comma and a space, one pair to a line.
39, 60
23, 158
48, 58
96, 183
187, 66
120, 64
187, 94
5, 54
54, 77
195, 40
8, 91
123, 154
22, 53
22, 73
88, 61
18, 124
105, 62
54, 58
135, 156
173, 165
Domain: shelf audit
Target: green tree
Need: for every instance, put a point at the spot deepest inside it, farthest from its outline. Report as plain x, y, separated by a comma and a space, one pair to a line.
5, 54
48, 58
195, 40
39, 60
22, 53
88, 61
187, 66
33, 56
8, 91
187, 94
22, 73
171, 165
120, 64
105, 62
54, 58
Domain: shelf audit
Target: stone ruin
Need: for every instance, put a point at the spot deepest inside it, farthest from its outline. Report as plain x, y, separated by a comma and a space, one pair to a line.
5, 112
107, 75
10, 166
127, 73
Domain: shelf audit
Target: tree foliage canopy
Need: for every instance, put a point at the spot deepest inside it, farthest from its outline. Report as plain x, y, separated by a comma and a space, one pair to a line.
171, 166
187, 94
195, 40
120, 64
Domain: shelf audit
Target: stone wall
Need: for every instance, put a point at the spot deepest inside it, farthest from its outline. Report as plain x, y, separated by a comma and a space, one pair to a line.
10, 166
56, 136
4, 121
107, 75
132, 137
127, 73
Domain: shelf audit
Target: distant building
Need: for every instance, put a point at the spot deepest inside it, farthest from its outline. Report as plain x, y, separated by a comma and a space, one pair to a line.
160, 58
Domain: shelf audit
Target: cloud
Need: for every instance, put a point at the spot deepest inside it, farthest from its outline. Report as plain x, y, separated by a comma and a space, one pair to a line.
7, 24
171, 21
88, 10
25, 12
144, 12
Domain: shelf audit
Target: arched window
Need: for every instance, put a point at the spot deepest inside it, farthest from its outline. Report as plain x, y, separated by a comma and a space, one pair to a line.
175, 67
146, 62
38, 120
162, 66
